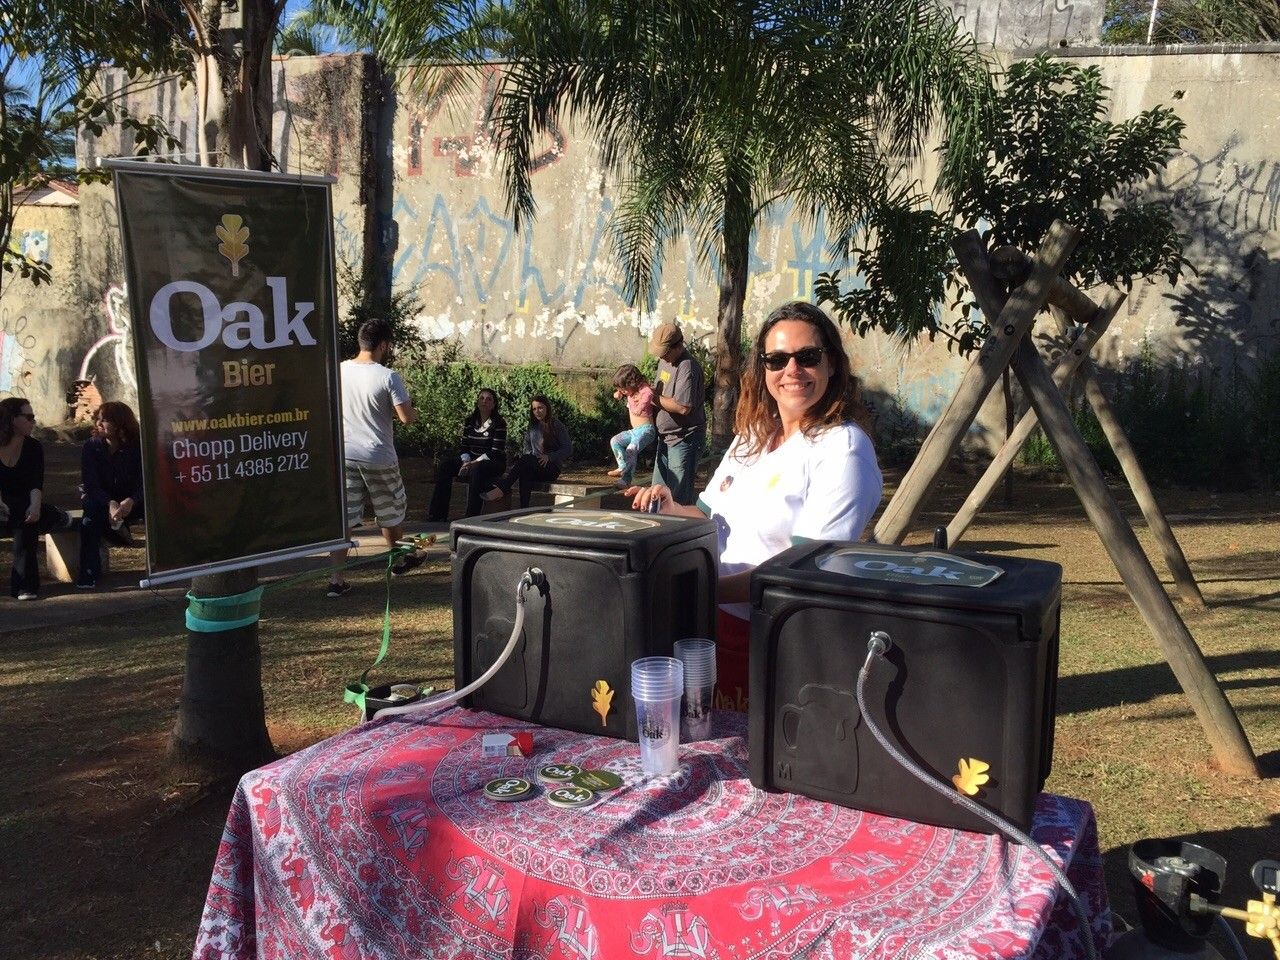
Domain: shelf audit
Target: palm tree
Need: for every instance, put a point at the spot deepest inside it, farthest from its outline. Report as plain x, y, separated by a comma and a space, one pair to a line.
710, 114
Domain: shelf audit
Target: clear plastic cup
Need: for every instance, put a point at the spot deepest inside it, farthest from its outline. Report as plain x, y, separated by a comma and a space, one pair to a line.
698, 655
657, 686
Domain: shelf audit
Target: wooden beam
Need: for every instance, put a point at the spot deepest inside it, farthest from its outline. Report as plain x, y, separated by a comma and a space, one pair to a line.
1011, 265
1158, 524
1074, 356
1221, 725
1010, 326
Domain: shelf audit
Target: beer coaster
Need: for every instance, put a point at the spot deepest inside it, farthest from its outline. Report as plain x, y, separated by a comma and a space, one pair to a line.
568, 798
508, 788
598, 780
558, 773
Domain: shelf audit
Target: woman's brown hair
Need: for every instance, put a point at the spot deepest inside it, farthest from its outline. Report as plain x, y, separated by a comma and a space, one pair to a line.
9, 408
756, 420
120, 416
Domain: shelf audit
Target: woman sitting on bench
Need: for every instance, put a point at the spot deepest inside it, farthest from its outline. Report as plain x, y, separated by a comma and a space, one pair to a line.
111, 483
25, 516
483, 457
543, 451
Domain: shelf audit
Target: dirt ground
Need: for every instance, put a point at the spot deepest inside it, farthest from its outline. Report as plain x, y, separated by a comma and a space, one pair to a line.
107, 855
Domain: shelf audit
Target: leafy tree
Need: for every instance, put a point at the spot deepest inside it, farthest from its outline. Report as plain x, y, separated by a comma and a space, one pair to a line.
712, 114
1193, 21
50, 54
1045, 153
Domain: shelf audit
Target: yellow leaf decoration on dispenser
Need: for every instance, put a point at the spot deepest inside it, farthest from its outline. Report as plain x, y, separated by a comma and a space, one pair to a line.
972, 775
233, 236
602, 700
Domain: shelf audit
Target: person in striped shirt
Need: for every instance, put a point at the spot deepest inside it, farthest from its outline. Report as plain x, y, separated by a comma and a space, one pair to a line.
482, 459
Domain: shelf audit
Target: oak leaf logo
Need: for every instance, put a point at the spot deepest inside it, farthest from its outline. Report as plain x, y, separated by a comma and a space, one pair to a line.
233, 236
972, 775
602, 700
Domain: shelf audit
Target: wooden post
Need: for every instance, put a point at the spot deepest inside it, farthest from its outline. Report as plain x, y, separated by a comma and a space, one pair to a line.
1009, 326
1075, 355
1011, 265
1174, 558
1221, 725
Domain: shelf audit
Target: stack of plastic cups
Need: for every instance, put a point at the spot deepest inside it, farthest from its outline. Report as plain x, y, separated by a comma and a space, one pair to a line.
699, 659
657, 685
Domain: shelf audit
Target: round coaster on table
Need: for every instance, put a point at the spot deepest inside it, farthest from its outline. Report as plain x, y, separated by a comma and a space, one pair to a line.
508, 788
559, 772
598, 780
568, 798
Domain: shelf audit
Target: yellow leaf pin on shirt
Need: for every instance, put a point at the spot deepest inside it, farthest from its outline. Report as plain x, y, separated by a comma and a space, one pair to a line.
773, 481
972, 775
602, 700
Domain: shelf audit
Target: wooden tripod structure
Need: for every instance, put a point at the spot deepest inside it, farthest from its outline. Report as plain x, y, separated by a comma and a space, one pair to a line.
1009, 344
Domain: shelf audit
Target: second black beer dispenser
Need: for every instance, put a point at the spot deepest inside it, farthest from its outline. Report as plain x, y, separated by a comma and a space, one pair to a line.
966, 690
620, 585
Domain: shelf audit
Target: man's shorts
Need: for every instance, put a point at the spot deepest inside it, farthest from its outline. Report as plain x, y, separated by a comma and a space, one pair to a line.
385, 490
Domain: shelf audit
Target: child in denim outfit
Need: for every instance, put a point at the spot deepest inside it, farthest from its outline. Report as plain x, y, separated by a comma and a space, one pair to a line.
630, 384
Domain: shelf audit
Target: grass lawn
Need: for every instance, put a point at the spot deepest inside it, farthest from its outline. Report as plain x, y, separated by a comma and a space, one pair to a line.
107, 855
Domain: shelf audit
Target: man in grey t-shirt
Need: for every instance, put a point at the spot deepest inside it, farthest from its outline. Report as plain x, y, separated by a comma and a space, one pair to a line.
373, 397
681, 421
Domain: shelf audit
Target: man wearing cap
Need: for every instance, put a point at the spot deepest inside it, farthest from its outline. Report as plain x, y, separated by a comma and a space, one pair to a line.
681, 421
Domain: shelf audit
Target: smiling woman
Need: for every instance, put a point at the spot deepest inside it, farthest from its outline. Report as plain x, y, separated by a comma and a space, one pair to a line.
801, 466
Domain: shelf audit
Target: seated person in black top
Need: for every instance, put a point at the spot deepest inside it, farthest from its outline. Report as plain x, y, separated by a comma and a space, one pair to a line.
483, 457
111, 485
25, 515
543, 450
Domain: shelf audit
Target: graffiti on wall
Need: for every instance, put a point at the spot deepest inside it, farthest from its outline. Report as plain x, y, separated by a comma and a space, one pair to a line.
474, 151
34, 245
1227, 307
1031, 24
113, 347
17, 354
552, 280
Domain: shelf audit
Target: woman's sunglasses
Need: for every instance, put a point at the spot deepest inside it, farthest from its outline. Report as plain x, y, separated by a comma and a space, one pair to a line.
808, 358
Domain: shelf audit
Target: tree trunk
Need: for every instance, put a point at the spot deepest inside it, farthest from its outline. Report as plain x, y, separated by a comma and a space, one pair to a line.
733, 294
232, 59
221, 730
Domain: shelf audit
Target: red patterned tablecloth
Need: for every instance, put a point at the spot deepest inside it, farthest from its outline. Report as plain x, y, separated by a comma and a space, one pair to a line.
380, 843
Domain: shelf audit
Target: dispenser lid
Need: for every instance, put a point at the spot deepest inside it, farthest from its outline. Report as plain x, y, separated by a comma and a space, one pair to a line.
922, 576
642, 535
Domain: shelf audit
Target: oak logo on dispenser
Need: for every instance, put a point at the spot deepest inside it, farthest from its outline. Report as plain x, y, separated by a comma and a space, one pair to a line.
240, 324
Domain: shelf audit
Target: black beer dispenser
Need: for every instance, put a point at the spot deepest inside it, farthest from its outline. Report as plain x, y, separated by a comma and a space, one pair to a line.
966, 690
620, 585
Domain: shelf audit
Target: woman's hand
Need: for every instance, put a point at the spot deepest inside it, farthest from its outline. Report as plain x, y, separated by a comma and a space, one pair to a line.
465, 468
122, 510
543, 459
645, 497
33, 513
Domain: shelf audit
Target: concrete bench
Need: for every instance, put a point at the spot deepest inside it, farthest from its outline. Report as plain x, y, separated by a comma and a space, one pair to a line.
62, 552
544, 495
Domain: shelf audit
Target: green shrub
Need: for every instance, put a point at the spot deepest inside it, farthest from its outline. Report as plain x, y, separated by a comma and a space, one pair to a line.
444, 389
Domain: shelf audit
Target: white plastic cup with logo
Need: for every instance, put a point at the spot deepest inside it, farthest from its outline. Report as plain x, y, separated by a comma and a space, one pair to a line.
657, 686
699, 658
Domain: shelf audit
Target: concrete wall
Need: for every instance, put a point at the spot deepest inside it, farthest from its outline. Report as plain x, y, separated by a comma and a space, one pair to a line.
1225, 189
43, 328
553, 293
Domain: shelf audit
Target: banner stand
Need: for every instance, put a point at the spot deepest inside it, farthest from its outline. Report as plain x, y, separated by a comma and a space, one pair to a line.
232, 294
172, 576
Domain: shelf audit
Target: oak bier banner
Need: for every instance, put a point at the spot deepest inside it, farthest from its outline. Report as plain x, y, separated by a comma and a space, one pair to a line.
234, 323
